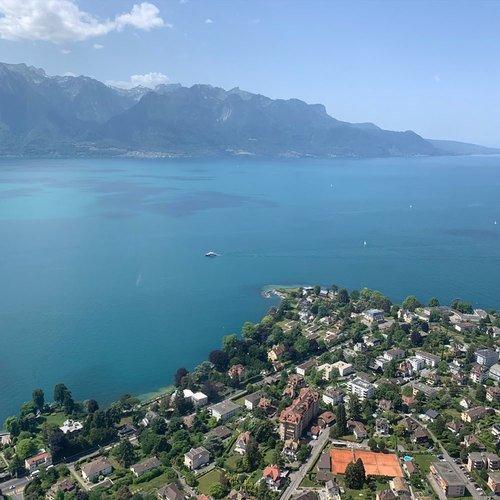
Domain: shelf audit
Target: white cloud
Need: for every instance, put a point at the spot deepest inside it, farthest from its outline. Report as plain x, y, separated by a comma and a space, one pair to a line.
98, 46
65, 51
437, 78
69, 73
61, 21
149, 80
209, 21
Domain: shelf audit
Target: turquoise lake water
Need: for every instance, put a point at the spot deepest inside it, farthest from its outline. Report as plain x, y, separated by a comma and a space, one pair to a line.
104, 284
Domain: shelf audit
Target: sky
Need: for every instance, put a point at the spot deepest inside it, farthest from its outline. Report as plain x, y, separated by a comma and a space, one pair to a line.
432, 67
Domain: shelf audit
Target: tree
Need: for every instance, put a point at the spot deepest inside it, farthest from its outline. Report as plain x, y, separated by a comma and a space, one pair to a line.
56, 439
91, 405
415, 338
462, 306
179, 375
219, 359
253, 456
343, 296
38, 399
434, 302
355, 475
13, 426
411, 303
26, 448
125, 453
341, 420
303, 453
16, 466
481, 393
354, 407
60, 392
219, 490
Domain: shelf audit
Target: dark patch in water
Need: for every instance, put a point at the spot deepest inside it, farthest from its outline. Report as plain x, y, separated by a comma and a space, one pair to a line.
17, 192
206, 200
473, 233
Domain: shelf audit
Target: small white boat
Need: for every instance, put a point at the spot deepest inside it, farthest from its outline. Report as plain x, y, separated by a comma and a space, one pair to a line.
212, 254
364, 243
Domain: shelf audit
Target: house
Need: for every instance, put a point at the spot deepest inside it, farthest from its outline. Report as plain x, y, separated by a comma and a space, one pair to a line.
455, 426
296, 417
472, 440
294, 383
149, 417
197, 398
126, 431
326, 419
290, 448
399, 487
447, 479
394, 354
385, 404
420, 436
478, 373
170, 492
492, 461
324, 468
222, 432
343, 368
493, 394
252, 400
196, 458
495, 430
486, 357
314, 432
303, 368
430, 415
475, 414
236, 372
326, 370
494, 372
358, 429
70, 426
98, 467
242, 442
276, 353
386, 494
332, 396
273, 477
224, 410
416, 363
372, 316
382, 426
364, 390
428, 358
145, 465
41, 459
64, 486
494, 482
476, 461
5, 438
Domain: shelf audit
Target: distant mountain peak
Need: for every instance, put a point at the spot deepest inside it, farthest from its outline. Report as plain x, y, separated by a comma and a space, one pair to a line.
68, 115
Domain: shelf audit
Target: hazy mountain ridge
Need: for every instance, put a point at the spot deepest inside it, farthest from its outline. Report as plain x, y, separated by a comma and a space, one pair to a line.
77, 115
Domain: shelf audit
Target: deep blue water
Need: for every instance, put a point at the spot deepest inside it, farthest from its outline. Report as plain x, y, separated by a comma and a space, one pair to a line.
103, 282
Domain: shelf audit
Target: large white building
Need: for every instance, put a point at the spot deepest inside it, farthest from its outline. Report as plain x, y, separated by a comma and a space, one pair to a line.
362, 388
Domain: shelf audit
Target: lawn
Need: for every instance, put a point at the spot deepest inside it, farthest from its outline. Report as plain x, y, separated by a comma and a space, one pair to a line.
231, 460
154, 484
423, 460
206, 481
55, 418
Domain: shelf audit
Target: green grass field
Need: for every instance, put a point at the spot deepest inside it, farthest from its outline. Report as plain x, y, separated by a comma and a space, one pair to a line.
423, 460
207, 480
154, 484
56, 418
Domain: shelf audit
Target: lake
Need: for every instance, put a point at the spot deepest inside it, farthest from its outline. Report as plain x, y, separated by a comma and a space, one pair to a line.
104, 284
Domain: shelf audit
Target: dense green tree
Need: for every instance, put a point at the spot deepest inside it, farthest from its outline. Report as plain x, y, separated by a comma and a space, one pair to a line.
354, 407
91, 405
60, 392
355, 475
16, 466
341, 420
124, 452
303, 452
411, 303
434, 302
38, 399
13, 426
179, 375
343, 296
481, 393
219, 359
462, 306
26, 448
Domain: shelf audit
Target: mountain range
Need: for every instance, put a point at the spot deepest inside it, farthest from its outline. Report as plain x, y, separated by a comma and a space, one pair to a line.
43, 115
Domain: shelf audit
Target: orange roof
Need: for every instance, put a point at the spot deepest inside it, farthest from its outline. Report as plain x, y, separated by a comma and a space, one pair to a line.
376, 464
272, 471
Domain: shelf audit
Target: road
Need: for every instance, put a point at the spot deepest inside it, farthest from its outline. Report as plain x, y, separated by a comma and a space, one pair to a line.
19, 483
457, 469
297, 477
